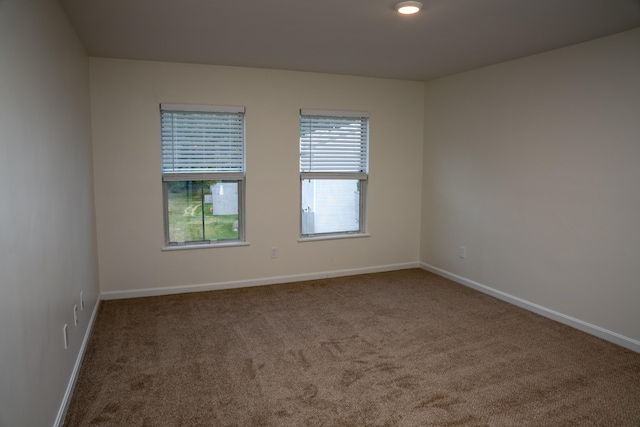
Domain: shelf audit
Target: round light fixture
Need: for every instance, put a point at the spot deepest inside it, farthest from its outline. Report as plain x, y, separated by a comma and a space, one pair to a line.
408, 7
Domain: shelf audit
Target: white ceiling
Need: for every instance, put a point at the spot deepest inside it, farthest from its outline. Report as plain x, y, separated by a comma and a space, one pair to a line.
356, 37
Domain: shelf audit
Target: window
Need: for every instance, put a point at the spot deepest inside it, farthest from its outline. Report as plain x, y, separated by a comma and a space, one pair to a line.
333, 172
203, 173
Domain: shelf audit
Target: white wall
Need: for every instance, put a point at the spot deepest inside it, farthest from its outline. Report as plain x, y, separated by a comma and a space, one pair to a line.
125, 98
533, 165
47, 243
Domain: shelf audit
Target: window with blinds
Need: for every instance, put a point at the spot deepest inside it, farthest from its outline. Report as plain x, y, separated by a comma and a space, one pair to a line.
203, 171
334, 148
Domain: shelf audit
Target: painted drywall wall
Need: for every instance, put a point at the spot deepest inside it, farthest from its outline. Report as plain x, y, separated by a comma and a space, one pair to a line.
125, 98
532, 165
47, 229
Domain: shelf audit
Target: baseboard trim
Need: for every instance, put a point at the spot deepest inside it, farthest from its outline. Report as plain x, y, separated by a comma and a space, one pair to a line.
583, 326
148, 292
62, 412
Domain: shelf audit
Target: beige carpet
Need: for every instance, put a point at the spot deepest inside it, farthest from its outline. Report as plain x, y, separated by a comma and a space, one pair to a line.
404, 348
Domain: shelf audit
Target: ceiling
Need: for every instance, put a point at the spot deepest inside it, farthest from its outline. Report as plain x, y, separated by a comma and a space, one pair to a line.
354, 37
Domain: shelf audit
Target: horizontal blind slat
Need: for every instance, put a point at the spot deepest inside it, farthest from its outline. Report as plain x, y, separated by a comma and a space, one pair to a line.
333, 144
201, 142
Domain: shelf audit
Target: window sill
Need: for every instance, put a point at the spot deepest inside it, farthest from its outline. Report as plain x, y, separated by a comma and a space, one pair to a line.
204, 246
332, 237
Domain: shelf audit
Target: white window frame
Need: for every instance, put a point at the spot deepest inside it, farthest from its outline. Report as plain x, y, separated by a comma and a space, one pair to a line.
235, 171
355, 170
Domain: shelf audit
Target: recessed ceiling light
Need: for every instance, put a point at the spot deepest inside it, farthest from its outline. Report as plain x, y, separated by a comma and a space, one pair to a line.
409, 7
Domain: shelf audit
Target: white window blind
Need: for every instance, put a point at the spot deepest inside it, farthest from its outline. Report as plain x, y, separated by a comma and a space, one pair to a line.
202, 142
333, 144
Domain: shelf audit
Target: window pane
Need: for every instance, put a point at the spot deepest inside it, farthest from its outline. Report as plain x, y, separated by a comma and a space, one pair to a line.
330, 206
202, 210
184, 211
221, 210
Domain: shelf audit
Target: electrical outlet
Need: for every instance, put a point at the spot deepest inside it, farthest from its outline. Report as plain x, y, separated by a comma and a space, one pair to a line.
274, 252
75, 314
66, 336
462, 253
81, 301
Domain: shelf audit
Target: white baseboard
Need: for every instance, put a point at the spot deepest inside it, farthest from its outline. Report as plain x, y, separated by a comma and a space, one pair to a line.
148, 292
597, 331
62, 412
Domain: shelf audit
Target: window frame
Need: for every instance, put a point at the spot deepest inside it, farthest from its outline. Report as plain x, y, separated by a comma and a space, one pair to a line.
238, 176
362, 176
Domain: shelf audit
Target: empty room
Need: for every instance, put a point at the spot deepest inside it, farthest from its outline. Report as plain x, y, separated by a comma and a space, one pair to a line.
319, 213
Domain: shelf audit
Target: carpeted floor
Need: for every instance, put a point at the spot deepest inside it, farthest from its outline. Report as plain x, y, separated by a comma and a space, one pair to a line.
405, 348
